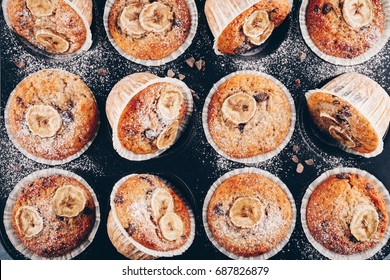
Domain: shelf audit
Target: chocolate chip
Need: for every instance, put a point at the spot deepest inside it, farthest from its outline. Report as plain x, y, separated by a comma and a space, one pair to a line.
67, 116
380, 215
335, 102
316, 9
148, 192
19, 101
341, 119
183, 237
295, 159
324, 224
327, 8
261, 96
150, 134
353, 239
131, 229
342, 176
369, 187
345, 108
118, 199
218, 209
178, 22
70, 104
146, 178
241, 127
347, 114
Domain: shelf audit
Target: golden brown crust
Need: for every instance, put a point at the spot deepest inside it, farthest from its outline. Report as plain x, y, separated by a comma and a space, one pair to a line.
273, 227
346, 116
264, 132
152, 45
233, 41
333, 36
331, 207
140, 123
73, 100
60, 235
64, 22
133, 208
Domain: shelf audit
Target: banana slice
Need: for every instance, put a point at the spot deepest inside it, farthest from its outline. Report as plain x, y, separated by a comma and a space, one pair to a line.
263, 37
162, 202
41, 8
171, 226
128, 20
246, 212
169, 104
256, 24
167, 136
364, 223
341, 136
28, 221
156, 17
239, 108
51, 42
357, 13
68, 201
43, 120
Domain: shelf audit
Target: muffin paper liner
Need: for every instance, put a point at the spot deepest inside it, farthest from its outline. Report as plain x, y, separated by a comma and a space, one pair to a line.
371, 52
250, 170
261, 157
367, 97
320, 248
32, 156
85, 47
13, 197
121, 95
150, 62
140, 251
220, 14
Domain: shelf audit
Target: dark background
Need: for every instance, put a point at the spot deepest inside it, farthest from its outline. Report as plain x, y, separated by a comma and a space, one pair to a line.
191, 164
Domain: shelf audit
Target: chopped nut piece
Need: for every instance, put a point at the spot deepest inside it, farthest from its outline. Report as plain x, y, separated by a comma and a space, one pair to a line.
102, 72
297, 83
181, 77
20, 63
309, 162
190, 61
170, 73
200, 65
296, 148
300, 168
295, 159
301, 56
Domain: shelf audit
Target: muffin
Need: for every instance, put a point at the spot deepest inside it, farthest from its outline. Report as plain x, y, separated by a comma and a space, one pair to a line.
343, 30
248, 116
346, 214
148, 219
85, 7
151, 32
52, 116
56, 27
249, 213
239, 26
147, 114
52, 214
354, 110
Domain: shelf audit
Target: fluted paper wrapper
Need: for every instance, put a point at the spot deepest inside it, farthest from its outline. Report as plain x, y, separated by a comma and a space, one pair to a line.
150, 62
261, 157
129, 247
13, 197
31, 156
271, 177
220, 14
320, 248
121, 95
367, 97
85, 47
371, 52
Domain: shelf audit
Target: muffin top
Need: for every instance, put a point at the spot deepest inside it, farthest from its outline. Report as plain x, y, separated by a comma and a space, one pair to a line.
51, 25
149, 30
347, 214
253, 26
53, 215
151, 119
248, 115
345, 28
152, 213
52, 114
248, 214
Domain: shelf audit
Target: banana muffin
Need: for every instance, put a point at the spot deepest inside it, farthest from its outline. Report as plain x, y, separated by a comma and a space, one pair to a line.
53, 26
149, 30
151, 216
239, 26
249, 115
52, 116
53, 215
346, 213
345, 28
354, 110
249, 215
